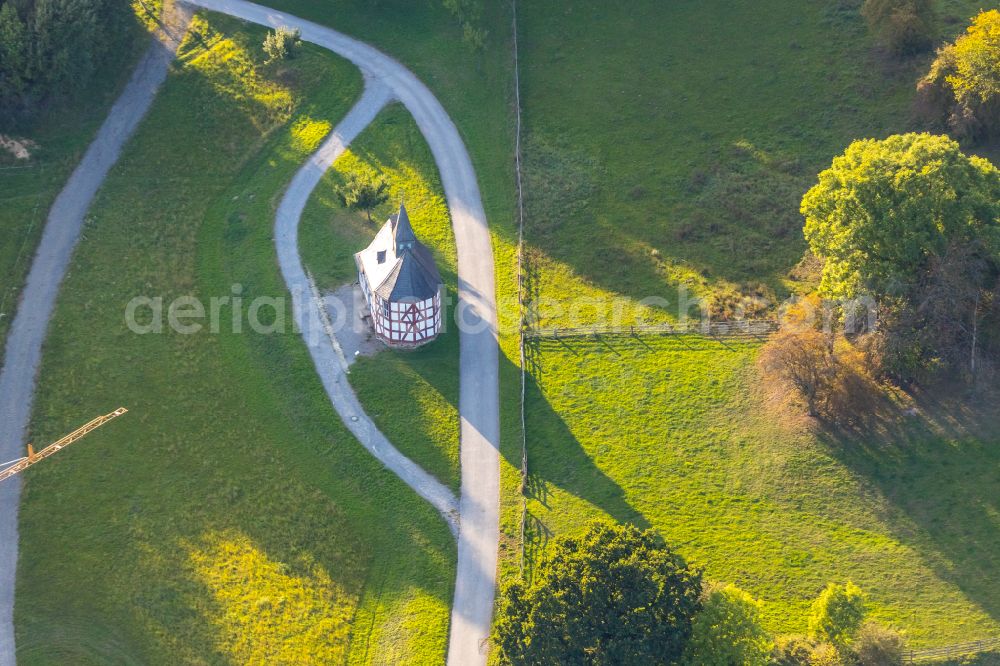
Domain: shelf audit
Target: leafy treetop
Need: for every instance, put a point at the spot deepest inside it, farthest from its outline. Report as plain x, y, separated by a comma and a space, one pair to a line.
962, 90
885, 209
837, 614
728, 630
613, 595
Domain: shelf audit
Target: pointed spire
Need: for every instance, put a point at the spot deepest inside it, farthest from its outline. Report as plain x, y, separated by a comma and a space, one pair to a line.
403, 233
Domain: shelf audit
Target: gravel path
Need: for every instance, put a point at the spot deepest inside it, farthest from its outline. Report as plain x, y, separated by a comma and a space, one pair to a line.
479, 398
346, 305
27, 333
311, 318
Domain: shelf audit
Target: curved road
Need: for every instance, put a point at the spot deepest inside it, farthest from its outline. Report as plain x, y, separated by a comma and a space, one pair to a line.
310, 317
475, 518
479, 399
27, 333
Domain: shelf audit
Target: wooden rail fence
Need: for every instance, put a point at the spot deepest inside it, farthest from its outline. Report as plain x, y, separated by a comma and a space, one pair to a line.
521, 277
750, 328
951, 651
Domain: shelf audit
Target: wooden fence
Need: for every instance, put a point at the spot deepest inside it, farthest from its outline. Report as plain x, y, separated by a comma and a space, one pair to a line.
750, 328
951, 651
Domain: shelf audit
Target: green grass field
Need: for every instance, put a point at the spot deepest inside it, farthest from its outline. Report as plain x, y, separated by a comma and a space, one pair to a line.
411, 395
669, 148
229, 517
674, 433
669, 143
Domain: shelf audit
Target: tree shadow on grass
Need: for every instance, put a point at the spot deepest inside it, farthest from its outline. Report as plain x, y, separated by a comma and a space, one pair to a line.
557, 459
938, 464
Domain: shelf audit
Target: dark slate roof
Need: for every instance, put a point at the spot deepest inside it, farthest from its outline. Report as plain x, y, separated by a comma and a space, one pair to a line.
413, 277
402, 232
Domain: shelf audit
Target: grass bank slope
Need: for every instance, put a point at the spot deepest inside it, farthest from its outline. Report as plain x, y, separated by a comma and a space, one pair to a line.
669, 143
667, 147
229, 517
674, 433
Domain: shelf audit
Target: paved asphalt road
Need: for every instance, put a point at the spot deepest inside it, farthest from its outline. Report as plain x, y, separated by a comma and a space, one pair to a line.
479, 399
27, 333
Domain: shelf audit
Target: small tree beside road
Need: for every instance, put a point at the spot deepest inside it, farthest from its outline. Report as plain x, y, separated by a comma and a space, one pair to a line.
282, 43
364, 191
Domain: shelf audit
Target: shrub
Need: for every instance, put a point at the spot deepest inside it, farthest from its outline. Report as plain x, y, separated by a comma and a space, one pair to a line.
470, 15
614, 595
282, 43
826, 654
792, 650
877, 645
828, 372
961, 92
728, 630
837, 614
902, 26
802, 358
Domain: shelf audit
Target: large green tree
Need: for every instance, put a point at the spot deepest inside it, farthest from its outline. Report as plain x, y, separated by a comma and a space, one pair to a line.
885, 209
13, 53
613, 595
914, 223
52, 48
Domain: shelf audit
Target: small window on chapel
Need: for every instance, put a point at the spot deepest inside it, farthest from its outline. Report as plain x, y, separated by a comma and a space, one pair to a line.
381, 256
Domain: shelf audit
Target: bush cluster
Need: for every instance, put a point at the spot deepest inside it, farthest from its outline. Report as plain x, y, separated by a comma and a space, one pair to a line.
831, 374
618, 595
282, 43
839, 635
904, 27
961, 93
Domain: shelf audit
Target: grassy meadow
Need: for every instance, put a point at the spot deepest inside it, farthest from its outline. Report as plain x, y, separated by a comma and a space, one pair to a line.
668, 144
229, 517
726, 473
666, 152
